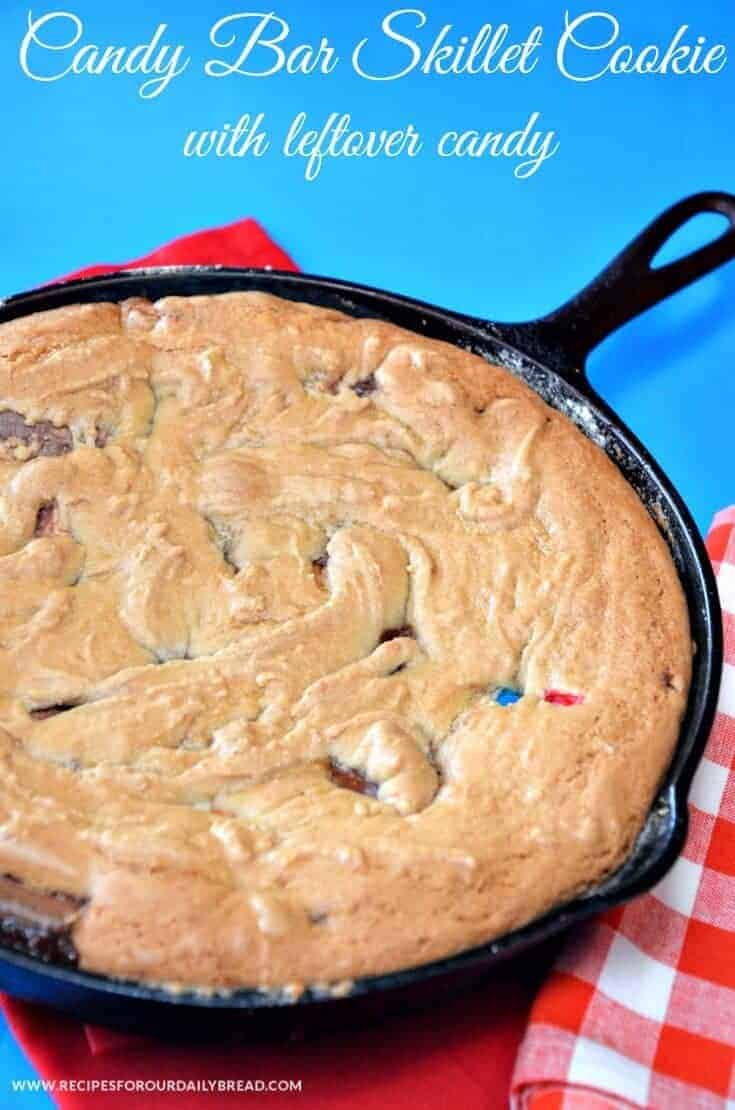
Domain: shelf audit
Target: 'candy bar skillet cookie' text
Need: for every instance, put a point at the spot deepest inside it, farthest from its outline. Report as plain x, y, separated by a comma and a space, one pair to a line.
330, 648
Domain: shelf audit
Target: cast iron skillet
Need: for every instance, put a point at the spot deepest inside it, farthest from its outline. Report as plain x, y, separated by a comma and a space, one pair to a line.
549, 354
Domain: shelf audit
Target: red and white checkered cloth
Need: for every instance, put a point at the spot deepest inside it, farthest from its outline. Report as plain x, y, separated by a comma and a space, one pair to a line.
640, 1007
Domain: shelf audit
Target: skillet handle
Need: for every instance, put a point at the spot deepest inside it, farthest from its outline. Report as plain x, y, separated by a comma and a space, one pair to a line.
629, 285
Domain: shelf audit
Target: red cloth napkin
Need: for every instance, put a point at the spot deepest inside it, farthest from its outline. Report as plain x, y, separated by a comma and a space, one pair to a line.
640, 1008
243, 243
461, 1050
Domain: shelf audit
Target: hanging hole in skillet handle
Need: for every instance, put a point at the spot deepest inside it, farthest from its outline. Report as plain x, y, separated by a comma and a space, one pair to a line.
628, 286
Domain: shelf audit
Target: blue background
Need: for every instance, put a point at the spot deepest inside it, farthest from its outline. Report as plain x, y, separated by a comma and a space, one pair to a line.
92, 173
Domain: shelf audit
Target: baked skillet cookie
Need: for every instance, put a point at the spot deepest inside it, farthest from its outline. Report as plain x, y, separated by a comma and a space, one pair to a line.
268, 574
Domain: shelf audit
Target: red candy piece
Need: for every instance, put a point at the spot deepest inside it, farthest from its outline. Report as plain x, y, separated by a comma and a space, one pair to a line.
560, 697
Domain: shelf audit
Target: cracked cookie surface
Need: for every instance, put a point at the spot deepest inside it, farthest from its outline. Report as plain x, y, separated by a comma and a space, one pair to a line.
263, 571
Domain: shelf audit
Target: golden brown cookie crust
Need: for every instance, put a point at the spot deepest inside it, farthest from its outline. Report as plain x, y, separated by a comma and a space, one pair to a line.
288, 558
